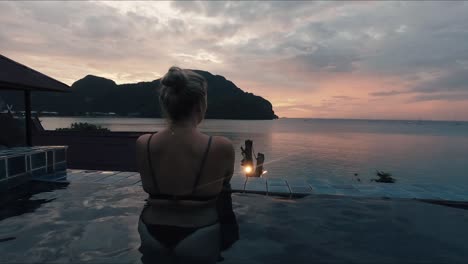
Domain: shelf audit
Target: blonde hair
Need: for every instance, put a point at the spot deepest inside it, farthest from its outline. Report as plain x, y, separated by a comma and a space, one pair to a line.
181, 91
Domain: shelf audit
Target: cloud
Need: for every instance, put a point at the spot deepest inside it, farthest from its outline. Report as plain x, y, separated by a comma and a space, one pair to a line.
429, 42
388, 93
326, 107
309, 49
453, 81
188, 6
446, 86
344, 97
326, 59
440, 97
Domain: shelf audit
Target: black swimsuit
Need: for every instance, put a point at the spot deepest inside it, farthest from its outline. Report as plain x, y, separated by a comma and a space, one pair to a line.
170, 235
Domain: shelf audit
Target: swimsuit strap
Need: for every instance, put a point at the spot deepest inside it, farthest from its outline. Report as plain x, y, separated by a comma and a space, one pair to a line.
150, 164
197, 179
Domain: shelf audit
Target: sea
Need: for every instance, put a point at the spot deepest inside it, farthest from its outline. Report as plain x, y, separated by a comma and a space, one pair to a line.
339, 150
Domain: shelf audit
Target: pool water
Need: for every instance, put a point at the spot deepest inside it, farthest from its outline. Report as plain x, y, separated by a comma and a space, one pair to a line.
88, 223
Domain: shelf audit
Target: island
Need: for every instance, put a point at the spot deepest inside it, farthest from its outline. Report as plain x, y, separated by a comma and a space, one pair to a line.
95, 96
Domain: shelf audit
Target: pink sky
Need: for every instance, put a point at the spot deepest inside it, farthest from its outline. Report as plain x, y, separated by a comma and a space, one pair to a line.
382, 60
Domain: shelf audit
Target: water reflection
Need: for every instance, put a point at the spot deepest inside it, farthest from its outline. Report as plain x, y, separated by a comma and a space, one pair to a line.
19, 201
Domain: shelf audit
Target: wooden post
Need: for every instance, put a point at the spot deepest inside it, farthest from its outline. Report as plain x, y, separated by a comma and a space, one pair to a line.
247, 161
27, 116
259, 167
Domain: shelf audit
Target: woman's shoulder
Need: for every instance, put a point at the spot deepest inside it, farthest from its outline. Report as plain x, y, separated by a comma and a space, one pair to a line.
224, 141
143, 139
223, 144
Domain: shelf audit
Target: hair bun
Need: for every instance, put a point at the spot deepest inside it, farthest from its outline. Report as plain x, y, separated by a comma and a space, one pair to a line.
175, 79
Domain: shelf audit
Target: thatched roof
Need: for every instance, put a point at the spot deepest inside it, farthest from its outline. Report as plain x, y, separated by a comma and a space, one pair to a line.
16, 76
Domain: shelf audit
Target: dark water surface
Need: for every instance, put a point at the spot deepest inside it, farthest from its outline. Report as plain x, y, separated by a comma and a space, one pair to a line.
413, 151
86, 223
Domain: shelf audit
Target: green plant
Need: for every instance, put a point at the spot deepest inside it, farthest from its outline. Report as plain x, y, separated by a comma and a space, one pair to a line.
83, 126
385, 177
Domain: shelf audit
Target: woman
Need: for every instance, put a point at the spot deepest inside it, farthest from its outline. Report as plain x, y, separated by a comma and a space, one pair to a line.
184, 172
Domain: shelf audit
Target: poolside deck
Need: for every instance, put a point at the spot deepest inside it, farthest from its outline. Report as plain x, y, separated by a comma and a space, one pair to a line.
294, 188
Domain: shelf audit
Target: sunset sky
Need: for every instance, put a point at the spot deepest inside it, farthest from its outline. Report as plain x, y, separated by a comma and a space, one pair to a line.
371, 59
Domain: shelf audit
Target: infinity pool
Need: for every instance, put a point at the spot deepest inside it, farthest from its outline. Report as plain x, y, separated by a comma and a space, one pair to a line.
89, 223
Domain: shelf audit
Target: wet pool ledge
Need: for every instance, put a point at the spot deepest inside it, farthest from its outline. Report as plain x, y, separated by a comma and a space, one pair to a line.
294, 188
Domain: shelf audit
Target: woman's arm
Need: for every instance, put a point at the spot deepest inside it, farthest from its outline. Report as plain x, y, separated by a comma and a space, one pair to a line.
227, 218
230, 158
142, 159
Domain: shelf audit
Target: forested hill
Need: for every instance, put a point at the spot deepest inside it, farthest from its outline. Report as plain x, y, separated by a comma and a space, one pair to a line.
97, 94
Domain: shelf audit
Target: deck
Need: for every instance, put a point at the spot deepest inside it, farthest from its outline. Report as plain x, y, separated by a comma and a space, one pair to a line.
294, 188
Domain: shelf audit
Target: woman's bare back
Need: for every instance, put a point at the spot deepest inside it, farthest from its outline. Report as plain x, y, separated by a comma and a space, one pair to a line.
176, 159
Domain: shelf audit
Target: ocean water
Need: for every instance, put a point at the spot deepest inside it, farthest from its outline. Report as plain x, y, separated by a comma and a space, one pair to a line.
434, 152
